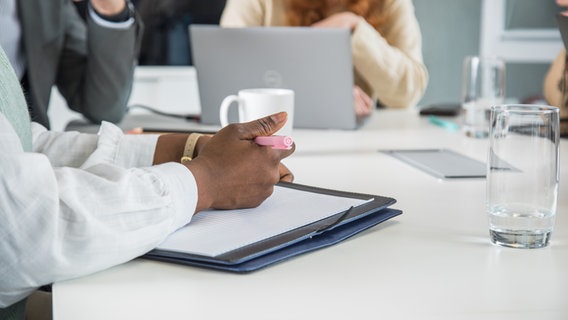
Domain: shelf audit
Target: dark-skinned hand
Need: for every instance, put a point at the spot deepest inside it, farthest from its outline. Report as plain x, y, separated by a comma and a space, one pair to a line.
234, 172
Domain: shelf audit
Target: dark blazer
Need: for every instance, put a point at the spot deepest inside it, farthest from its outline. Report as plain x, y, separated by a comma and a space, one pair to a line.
92, 66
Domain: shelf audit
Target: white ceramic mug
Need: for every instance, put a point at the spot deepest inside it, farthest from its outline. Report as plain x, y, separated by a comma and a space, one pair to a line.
257, 103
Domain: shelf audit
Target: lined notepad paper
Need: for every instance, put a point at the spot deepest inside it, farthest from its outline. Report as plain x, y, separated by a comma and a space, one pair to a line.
214, 232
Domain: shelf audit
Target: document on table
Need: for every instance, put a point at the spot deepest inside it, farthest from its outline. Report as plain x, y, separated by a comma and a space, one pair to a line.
441, 163
215, 232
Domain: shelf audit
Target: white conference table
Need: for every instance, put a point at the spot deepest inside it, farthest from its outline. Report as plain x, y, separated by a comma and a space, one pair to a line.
435, 261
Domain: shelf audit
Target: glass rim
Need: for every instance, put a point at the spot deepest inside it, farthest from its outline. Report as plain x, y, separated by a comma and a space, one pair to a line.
525, 108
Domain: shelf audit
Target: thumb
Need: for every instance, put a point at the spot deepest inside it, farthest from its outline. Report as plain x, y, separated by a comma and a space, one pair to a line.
266, 126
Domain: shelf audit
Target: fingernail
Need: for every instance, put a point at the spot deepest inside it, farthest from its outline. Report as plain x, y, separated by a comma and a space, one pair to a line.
138, 130
279, 117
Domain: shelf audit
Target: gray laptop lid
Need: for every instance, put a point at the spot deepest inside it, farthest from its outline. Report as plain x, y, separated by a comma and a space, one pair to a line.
315, 63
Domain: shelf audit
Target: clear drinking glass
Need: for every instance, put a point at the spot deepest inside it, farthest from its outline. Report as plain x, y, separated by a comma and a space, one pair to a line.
483, 86
522, 174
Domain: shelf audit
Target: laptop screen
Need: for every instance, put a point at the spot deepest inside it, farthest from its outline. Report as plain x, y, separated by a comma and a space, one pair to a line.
315, 63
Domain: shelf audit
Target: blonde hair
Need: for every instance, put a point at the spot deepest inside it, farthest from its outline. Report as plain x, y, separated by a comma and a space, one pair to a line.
308, 12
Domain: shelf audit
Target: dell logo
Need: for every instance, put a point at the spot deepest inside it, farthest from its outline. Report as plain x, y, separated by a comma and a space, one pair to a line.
272, 79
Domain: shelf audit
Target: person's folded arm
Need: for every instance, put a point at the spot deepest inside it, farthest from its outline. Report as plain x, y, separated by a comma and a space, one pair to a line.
117, 14
60, 223
391, 64
64, 222
72, 149
96, 68
239, 13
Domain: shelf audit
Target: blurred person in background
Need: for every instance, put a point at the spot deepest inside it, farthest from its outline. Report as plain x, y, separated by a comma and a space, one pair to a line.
386, 42
556, 80
91, 60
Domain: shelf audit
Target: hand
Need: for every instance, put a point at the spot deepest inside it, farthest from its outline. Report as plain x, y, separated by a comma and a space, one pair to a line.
108, 7
234, 172
344, 19
563, 3
285, 173
362, 102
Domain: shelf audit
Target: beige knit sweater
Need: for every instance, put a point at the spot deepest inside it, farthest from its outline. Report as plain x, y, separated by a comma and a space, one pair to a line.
388, 63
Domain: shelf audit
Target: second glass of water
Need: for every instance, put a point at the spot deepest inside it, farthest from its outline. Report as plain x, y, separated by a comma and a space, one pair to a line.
483, 86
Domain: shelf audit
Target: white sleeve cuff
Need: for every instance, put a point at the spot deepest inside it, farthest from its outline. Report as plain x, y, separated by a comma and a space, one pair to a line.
109, 24
183, 187
136, 150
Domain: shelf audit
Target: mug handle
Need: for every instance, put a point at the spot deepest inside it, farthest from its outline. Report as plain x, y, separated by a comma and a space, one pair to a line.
224, 110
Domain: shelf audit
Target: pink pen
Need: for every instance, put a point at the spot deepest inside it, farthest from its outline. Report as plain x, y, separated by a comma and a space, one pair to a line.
277, 142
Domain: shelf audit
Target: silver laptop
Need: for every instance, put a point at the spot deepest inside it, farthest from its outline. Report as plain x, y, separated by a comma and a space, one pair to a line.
315, 63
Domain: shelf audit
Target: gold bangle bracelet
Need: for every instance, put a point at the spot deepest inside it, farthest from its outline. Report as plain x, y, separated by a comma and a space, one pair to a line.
189, 148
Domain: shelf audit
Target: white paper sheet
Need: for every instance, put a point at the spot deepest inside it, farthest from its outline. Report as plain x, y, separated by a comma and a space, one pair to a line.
214, 232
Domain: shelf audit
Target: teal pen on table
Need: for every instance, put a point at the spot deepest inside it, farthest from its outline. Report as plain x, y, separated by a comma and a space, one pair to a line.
446, 124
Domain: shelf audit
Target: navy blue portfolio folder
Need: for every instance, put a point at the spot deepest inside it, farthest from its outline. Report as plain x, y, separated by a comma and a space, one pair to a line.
312, 236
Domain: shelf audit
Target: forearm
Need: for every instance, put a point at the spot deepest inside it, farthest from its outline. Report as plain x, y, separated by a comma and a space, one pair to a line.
552, 80
110, 145
397, 77
111, 61
243, 13
170, 147
97, 65
67, 222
